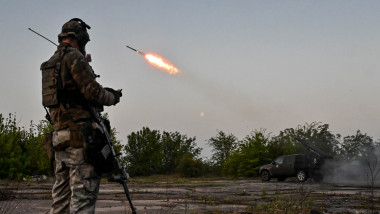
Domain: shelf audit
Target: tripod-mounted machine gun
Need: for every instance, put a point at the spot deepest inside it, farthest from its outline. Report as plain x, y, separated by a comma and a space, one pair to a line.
316, 159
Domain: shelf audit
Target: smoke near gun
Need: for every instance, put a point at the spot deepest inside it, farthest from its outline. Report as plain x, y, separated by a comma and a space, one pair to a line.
363, 170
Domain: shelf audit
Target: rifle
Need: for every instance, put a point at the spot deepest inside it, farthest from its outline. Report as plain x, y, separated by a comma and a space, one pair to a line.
107, 150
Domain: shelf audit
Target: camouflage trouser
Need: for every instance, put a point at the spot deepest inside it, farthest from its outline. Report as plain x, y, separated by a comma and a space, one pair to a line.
77, 183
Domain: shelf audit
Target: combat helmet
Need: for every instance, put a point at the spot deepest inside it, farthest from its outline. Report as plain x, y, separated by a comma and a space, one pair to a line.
75, 28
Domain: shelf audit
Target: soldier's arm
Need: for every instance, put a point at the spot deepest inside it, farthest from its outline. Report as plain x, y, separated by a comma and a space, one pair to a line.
84, 77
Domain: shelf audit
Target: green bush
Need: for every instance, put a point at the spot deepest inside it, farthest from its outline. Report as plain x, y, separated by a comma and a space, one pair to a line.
22, 152
190, 167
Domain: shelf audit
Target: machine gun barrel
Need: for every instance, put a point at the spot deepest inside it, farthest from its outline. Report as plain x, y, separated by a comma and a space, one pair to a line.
313, 149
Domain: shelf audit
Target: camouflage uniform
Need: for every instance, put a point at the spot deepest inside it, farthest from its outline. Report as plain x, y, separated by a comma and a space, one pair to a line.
77, 181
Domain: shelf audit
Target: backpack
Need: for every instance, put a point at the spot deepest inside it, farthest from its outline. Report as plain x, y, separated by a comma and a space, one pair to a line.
51, 80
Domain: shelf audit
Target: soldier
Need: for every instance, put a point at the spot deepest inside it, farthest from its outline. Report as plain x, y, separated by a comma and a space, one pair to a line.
69, 88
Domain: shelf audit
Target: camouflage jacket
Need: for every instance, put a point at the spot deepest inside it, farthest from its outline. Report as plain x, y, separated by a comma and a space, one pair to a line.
79, 89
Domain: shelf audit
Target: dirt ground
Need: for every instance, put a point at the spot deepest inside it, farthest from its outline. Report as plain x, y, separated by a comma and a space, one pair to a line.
204, 196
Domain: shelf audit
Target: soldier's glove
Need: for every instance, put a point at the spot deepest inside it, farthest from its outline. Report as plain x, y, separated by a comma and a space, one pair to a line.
119, 91
116, 94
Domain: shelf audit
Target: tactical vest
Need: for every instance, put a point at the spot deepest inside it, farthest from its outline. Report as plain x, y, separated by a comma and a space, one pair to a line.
51, 80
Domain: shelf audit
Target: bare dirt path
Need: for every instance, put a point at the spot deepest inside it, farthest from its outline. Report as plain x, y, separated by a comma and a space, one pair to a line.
204, 196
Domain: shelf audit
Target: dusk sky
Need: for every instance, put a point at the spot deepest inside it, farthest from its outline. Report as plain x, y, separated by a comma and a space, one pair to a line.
244, 65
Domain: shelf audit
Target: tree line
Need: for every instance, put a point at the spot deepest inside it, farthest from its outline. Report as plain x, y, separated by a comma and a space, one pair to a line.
21, 150
152, 152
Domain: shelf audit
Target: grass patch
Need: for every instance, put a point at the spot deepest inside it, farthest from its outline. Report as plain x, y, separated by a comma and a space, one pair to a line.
285, 205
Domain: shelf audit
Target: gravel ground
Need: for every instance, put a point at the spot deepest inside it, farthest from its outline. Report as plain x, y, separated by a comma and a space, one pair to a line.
201, 196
